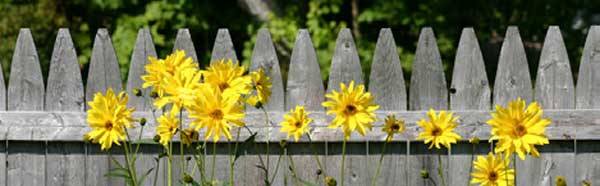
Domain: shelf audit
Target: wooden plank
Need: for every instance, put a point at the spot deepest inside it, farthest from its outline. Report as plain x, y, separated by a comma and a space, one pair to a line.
304, 84
588, 82
146, 161
143, 49
305, 163
264, 56
554, 87
104, 69
3, 166
460, 161
96, 165
386, 81
512, 77
25, 86
65, 86
393, 169
557, 159
345, 64
356, 166
223, 48
254, 176
25, 92
470, 88
183, 41
25, 163
65, 163
2, 91
422, 158
427, 83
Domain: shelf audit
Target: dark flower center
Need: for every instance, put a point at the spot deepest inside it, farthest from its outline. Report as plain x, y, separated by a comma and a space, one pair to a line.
520, 130
436, 131
223, 86
216, 114
298, 124
395, 127
350, 110
109, 125
493, 176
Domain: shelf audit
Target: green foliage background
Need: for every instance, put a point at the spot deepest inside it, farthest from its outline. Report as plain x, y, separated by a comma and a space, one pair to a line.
323, 18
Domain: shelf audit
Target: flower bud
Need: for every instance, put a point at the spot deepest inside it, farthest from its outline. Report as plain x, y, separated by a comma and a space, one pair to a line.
187, 178
154, 95
424, 174
586, 183
283, 143
137, 92
143, 121
329, 181
156, 138
474, 140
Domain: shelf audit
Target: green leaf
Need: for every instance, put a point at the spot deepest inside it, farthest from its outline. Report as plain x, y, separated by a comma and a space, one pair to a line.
307, 183
244, 146
145, 175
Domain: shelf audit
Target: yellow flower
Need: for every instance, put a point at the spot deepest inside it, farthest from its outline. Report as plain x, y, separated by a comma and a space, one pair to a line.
262, 85
188, 136
353, 108
492, 171
108, 116
392, 126
296, 123
228, 77
180, 89
167, 127
560, 181
439, 129
329, 181
159, 69
518, 129
215, 110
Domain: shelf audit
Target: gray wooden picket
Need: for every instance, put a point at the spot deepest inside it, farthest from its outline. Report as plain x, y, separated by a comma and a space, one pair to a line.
25, 161
223, 48
184, 42
304, 84
345, 64
427, 90
512, 77
387, 80
142, 50
264, 56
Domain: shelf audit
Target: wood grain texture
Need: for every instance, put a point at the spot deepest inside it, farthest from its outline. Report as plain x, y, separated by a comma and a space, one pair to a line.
304, 84
470, 88
183, 41
422, 158
65, 164
264, 56
554, 88
25, 164
345, 64
460, 160
587, 166
142, 50
223, 47
386, 81
104, 68
394, 165
65, 86
96, 165
2, 90
25, 86
3, 155
588, 81
305, 163
356, 167
427, 82
557, 159
512, 77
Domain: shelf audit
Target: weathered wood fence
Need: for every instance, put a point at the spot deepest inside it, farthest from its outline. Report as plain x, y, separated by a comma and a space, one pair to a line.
42, 127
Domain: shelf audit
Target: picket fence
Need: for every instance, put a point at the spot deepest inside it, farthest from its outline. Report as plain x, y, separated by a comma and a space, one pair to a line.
41, 130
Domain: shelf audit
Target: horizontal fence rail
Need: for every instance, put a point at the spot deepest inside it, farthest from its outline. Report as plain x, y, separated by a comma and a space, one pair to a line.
42, 124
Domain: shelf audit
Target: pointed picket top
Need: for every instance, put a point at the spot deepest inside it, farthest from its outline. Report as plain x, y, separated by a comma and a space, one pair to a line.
588, 87
386, 82
428, 83
554, 88
265, 57
183, 41
26, 85
104, 68
65, 86
143, 49
223, 47
304, 84
345, 64
512, 77
470, 89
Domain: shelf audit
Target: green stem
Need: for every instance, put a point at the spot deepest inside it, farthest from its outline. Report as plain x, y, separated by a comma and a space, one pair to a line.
343, 160
276, 167
170, 164
312, 148
379, 165
293, 167
181, 149
515, 166
128, 160
441, 170
214, 160
156, 170
267, 122
230, 163
232, 157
